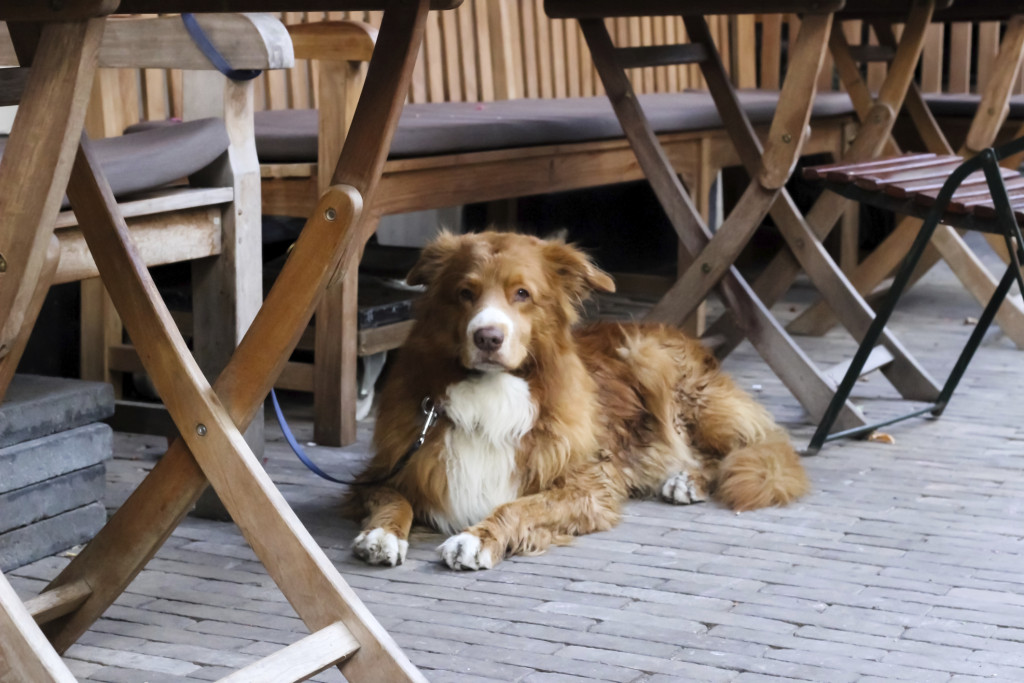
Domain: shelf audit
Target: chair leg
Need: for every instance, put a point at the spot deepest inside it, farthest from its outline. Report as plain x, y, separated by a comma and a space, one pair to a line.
336, 362
336, 354
100, 329
204, 416
25, 654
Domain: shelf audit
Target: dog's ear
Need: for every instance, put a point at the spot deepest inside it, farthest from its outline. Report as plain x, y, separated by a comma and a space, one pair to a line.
576, 269
432, 259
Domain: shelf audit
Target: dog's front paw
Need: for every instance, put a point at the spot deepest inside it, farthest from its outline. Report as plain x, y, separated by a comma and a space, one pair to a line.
377, 546
681, 489
466, 551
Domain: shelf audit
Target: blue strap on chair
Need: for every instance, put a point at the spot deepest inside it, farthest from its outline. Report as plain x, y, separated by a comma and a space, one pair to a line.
202, 41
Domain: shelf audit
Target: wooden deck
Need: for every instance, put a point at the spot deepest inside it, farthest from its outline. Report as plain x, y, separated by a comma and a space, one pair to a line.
906, 562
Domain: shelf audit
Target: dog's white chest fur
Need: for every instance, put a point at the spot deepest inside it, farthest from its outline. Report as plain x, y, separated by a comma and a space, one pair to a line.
489, 415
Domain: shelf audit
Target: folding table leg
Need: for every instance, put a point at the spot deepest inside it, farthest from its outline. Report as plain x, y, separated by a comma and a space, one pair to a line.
908, 376
792, 366
947, 245
37, 160
16, 346
25, 654
205, 416
876, 126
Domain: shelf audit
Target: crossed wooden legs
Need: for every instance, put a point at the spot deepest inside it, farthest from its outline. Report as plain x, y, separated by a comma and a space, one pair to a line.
211, 447
946, 242
713, 255
803, 234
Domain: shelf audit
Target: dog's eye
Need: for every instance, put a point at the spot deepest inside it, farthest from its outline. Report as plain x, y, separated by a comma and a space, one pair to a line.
521, 295
466, 294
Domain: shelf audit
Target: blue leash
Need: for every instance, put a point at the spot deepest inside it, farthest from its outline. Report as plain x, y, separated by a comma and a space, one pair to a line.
297, 449
202, 41
429, 410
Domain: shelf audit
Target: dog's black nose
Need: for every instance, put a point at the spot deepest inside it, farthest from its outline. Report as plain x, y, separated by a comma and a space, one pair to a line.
488, 338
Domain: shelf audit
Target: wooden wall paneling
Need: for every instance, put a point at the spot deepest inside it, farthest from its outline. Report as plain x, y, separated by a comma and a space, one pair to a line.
528, 41
545, 65
467, 52
961, 38
483, 40
432, 58
771, 51
933, 58
987, 48
744, 50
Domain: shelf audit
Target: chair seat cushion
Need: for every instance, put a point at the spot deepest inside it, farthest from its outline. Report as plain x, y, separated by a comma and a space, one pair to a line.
151, 156
290, 136
964, 105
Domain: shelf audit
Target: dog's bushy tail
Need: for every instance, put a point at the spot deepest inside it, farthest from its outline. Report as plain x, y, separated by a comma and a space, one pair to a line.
761, 474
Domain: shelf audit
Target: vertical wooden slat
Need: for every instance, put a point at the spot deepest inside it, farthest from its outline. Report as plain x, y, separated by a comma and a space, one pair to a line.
987, 48
433, 59
485, 51
544, 61
468, 50
296, 81
671, 72
660, 26
558, 57
876, 70
528, 38
450, 37
932, 59
499, 24
744, 50
771, 51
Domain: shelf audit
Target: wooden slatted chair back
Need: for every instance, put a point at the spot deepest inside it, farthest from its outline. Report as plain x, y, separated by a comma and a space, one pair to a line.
483, 51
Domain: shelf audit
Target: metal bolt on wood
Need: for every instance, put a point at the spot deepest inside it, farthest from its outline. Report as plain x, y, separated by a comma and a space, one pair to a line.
330, 214
201, 429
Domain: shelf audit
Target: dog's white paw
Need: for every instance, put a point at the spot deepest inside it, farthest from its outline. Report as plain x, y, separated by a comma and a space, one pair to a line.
682, 490
464, 551
377, 546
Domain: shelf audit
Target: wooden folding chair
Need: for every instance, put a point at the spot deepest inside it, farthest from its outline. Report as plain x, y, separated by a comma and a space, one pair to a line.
46, 152
989, 118
769, 167
976, 194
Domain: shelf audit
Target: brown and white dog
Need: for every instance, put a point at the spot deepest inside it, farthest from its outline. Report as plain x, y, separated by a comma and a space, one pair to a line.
546, 429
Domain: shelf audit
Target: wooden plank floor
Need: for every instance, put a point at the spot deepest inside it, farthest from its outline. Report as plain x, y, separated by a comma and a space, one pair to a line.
904, 563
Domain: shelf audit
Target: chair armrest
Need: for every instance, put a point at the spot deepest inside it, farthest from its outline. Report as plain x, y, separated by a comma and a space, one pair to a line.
247, 41
334, 41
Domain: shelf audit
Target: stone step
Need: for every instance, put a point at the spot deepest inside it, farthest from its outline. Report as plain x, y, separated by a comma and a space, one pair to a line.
49, 536
51, 456
36, 406
52, 497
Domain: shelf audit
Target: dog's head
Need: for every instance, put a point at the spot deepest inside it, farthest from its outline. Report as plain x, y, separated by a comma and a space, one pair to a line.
494, 298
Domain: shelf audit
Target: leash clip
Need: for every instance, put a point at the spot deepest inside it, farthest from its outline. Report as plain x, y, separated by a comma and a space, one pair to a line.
431, 411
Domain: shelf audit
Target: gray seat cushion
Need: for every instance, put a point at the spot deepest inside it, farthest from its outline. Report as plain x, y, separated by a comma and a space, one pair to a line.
150, 157
966, 104
290, 136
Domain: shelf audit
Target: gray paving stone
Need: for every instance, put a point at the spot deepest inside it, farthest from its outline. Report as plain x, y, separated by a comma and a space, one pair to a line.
559, 662
132, 661
30, 462
483, 669
600, 640
527, 646
35, 406
51, 535
44, 499
902, 559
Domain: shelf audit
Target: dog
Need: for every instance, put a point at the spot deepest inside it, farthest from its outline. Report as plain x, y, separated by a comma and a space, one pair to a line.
544, 429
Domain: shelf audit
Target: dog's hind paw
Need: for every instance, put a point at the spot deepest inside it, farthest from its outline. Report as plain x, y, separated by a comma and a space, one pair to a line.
377, 546
465, 551
681, 489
